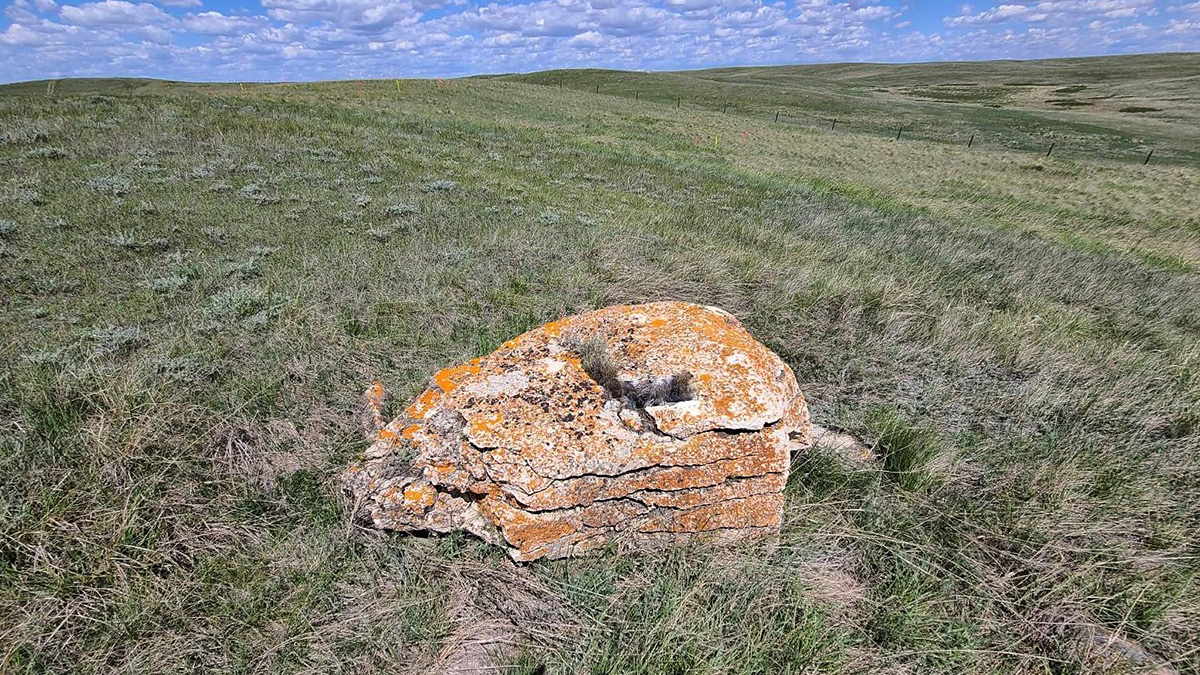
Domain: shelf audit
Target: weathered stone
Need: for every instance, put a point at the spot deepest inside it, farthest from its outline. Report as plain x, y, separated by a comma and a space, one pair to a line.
640, 425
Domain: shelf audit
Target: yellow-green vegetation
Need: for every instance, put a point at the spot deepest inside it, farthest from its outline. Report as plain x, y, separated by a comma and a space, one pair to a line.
199, 282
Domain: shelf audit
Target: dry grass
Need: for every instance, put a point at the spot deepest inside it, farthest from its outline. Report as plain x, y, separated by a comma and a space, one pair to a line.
1028, 379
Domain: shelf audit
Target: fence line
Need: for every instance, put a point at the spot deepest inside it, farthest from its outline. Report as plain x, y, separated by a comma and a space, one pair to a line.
815, 121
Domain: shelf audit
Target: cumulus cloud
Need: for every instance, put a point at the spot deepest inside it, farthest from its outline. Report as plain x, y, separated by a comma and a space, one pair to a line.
589, 39
16, 34
1056, 11
215, 23
114, 13
1189, 8
363, 16
631, 20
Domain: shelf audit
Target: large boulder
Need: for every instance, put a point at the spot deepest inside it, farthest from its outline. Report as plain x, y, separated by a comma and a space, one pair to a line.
636, 426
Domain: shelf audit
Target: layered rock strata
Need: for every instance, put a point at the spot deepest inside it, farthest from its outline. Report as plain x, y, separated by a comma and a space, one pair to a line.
635, 426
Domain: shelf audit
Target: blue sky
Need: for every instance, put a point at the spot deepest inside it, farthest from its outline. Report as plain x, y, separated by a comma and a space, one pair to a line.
269, 40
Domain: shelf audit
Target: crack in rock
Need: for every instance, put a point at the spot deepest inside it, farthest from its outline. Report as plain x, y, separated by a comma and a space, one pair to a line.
643, 425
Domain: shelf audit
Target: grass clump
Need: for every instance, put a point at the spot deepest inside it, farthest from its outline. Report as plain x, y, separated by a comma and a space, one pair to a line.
239, 301
118, 340
401, 209
636, 394
30, 197
1068, 103
905, 450
216, 235
126, 240
167, 284
23, 135
439, 186
46, 153
132, 241
115, 186
597, 362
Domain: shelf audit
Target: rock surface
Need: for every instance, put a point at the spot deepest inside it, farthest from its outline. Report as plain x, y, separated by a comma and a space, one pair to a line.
636, 425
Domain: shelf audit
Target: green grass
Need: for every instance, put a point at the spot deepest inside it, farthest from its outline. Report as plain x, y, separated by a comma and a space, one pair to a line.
199, 282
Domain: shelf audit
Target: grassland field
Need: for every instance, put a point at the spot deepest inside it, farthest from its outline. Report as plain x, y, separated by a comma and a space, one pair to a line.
198, 281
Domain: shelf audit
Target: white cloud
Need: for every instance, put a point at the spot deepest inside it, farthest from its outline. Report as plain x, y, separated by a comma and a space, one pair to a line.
997, 15
590, 39
114, 13
215, 23
362, 16
505, 40
692, 5
1055, 11
627, 20
24, 11
1189, 8
874, 13
1187, 27
16, 34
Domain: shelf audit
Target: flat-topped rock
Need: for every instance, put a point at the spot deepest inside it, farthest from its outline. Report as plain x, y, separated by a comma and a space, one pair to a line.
639, 425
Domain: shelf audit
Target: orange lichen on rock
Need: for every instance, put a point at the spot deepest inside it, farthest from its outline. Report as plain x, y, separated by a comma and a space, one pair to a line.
528, 448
